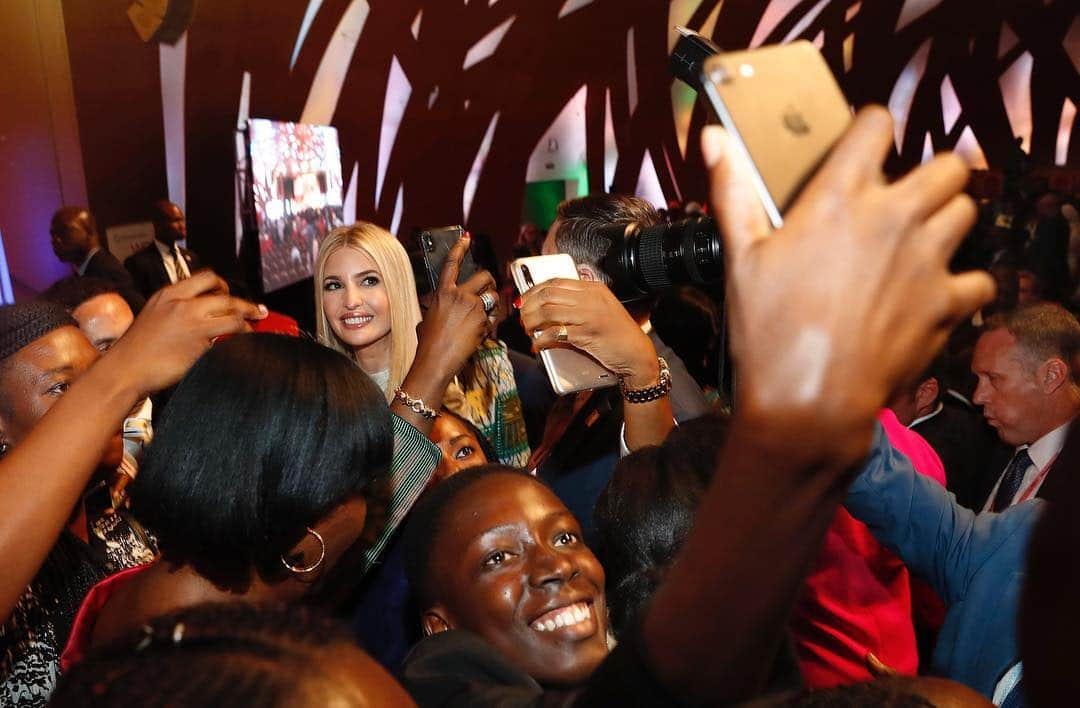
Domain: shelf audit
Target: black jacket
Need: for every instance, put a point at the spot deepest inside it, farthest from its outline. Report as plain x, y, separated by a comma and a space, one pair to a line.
148, 270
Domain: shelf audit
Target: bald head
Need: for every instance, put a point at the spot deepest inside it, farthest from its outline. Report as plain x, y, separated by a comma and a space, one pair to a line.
74, 234
104, 319
169, 223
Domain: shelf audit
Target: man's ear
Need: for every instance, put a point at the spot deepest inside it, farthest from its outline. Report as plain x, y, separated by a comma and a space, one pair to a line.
435, 621
1054, 375
927, 393
587, 272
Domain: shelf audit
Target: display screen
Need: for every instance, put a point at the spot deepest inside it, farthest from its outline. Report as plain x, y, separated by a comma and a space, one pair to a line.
297, 193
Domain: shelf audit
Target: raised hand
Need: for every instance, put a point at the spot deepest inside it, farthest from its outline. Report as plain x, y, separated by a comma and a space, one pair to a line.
453, 327
852, 295
595, 322
177, 325
455, 322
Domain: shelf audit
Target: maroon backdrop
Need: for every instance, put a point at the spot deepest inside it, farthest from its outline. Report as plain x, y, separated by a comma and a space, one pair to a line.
538, 67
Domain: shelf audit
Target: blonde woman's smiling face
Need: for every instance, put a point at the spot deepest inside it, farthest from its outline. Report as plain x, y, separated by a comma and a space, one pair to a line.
356, 304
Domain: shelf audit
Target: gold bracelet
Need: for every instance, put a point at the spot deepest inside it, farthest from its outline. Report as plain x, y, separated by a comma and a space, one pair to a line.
416, 405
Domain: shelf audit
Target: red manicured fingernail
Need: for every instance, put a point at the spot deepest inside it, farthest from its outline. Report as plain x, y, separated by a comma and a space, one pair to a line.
517, 303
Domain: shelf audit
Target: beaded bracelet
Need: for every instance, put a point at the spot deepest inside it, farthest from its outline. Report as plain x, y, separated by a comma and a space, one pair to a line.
644, 395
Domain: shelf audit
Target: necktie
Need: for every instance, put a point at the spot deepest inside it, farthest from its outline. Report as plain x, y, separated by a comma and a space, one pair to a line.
180, 274
1010, 481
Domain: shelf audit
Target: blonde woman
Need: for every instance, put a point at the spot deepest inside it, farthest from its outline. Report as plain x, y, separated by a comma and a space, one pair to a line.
366, 302
367, 308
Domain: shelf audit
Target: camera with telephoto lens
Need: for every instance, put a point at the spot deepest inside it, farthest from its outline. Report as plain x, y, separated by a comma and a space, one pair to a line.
645, 259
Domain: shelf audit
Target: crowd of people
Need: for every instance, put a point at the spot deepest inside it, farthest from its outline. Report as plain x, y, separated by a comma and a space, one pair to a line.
876, 508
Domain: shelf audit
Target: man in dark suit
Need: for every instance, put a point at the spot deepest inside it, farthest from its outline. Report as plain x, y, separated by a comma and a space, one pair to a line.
970, 450
163, 262
583, 437
75, 240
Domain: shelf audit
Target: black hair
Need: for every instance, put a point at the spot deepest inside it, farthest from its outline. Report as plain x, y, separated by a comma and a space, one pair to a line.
74, 290
426, 519
263, 437
485, 445
213, 654
644, 515
688, 321
899, 692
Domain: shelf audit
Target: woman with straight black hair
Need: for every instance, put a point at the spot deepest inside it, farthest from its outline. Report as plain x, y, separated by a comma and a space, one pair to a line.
256, 484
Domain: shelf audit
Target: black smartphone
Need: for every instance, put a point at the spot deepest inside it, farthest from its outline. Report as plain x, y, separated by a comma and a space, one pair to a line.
435, 245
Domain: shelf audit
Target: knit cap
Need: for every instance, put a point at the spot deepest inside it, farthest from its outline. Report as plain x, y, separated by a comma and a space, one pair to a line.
24, 322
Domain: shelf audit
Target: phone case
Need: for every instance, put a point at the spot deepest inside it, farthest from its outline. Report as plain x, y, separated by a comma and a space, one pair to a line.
435, 244
785, 111
569, 370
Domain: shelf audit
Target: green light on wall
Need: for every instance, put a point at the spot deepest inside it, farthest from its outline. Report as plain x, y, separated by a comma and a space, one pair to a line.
542, 199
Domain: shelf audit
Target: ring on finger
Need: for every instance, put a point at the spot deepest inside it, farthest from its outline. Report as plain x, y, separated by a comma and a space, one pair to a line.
489, 300
561, 335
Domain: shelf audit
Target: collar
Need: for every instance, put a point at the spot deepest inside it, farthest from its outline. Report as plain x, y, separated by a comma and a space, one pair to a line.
928, 416
81, 270
167, 250
960, 397
1047, 447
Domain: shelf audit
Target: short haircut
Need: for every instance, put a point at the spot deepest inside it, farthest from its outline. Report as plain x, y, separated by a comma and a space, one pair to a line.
1045, 331
74, 290
485, 445
645, 513
426, 520
68, 213
213, 654
581, 219
265, 436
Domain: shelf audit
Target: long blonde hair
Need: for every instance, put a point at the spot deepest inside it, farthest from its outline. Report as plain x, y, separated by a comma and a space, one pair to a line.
397, 276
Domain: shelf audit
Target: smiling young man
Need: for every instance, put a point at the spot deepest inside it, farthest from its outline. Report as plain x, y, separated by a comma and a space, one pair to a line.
1025, 361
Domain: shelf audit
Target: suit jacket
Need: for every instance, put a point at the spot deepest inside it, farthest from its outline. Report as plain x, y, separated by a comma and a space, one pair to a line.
105, 265
975, 562
973, 454
148, 270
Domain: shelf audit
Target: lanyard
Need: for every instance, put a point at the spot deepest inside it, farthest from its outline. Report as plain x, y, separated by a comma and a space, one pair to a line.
1029, 491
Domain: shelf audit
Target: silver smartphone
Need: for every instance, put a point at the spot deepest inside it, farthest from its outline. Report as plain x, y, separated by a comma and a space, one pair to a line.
785, 111
569, 370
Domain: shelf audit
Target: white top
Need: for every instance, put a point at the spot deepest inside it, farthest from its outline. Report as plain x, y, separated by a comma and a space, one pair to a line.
381, 379
1042, 452
170, 263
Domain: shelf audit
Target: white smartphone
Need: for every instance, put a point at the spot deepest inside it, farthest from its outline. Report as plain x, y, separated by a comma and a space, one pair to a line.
785, 111
569, 370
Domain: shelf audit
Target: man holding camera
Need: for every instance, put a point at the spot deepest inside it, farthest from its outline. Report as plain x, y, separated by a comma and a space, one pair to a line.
585, 433
576, 231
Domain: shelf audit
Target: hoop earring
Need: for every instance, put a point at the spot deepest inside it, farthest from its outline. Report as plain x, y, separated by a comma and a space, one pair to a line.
314, 566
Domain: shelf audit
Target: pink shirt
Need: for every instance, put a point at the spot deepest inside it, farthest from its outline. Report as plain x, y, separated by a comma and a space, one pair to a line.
857, 599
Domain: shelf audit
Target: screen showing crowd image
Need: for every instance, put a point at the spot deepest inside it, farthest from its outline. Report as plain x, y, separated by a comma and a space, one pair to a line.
296, 193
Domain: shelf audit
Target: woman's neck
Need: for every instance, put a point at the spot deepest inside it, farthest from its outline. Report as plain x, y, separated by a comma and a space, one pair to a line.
374, 357
164, 588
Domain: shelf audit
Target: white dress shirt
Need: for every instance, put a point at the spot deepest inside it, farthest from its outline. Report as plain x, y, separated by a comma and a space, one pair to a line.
1042, 452
167, 257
